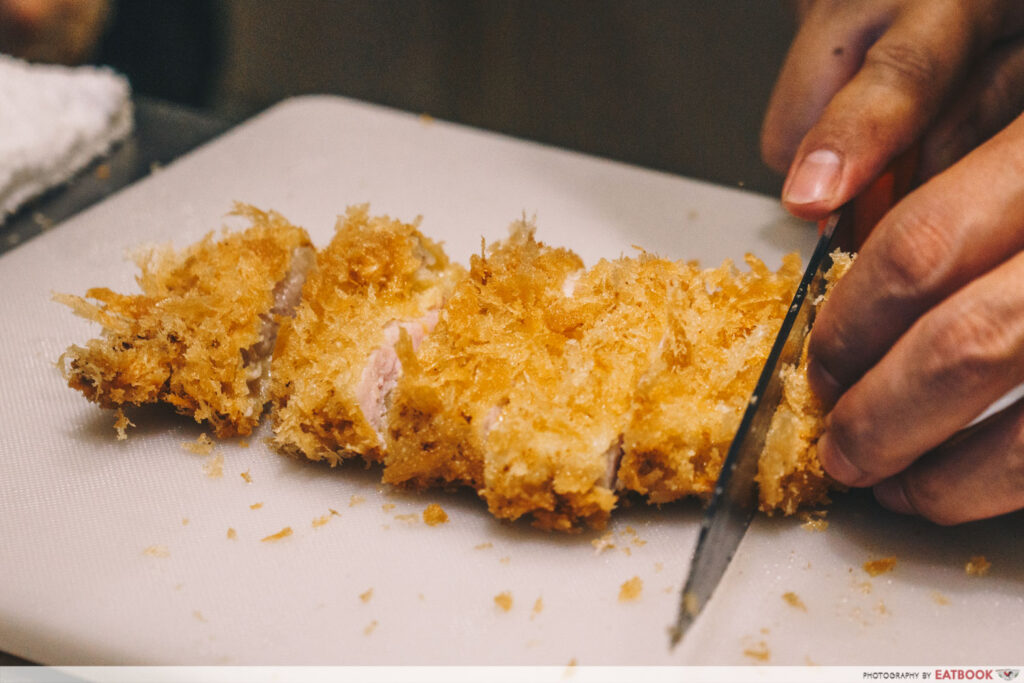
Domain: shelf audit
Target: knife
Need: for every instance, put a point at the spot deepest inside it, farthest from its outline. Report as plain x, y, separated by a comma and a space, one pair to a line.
735, 497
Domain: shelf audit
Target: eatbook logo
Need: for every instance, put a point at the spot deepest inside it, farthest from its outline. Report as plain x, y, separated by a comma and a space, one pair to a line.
1007, 674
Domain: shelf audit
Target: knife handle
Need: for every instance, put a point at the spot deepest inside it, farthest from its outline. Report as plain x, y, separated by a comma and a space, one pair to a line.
884, 191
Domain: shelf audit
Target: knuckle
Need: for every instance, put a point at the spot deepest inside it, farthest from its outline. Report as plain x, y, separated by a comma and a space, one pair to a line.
903, 65
967, 346
916, 255
930, 496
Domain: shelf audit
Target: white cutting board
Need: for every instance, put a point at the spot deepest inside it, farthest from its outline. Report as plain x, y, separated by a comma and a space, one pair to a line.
79, 509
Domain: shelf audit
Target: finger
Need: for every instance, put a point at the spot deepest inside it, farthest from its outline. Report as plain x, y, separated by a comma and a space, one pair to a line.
906, 76
992, 97
826, 52
975, 477
954, 228
950, 366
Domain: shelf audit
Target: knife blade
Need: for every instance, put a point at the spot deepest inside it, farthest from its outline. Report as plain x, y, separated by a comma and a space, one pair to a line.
734, 500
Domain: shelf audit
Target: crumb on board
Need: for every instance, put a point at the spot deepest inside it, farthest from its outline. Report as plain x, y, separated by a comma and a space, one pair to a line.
370, 628
243, 443
603, 543
366, 595
321, 520
203, 445
387, 507
863, 587
939, 599
355, 500
213, 467
876, 567
103, 172
434, 514
156, 551
334, 513
630, 590
658, 566
503, 600
283, 533
977, 566
881, 609
232, 534
814, 520
538, 607
505, 560
759, 651
245, 475
199, 616
408, 518
793, 600
256, 506
483, 546
121, 425
184, 521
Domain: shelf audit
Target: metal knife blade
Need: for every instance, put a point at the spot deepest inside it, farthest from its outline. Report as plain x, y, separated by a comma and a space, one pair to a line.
734, 500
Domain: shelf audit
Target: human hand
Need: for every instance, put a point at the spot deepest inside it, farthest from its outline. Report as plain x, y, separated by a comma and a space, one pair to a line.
59, 31
927, 328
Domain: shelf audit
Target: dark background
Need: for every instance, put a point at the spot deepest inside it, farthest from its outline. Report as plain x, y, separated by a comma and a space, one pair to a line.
678, 85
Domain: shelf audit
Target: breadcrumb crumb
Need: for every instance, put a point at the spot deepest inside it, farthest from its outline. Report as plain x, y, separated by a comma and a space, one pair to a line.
213, 467
203, 445
283, 533
370, 628
876, 567
156, 551
939, 599
483, 546
793, 600
366, 595
248, 477
631, 589
814, 520
256, 506
538, 607
434, 514
977, 566
321, 520
232, 534
356, 500
759, 651
503, 600
121, 425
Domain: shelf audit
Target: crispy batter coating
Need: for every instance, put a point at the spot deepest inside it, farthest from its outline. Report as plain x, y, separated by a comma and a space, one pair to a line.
193, 337
331, 357
789, 474
554, 451
499, 325
689, 405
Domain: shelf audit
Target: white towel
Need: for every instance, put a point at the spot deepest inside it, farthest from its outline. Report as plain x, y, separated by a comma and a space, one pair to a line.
55, 120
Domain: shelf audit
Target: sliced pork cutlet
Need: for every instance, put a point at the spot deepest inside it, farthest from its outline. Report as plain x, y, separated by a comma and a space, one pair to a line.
553, 455
500, 325
688, 406
199, 335
378, 281
789, 474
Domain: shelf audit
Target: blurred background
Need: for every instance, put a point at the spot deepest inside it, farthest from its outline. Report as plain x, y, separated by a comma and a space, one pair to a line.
677, 85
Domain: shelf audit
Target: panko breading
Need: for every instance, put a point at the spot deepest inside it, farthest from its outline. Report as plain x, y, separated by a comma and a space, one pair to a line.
198, 335
554, 451
334, 367
789, 474
688, 406
493, 332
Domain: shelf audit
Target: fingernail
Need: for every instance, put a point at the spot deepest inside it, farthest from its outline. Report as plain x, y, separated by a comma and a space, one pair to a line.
890, 494
826, 387
815, 179
837, 464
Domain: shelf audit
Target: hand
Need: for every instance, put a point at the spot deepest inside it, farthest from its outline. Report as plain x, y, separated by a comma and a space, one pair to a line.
927, 328
61, 31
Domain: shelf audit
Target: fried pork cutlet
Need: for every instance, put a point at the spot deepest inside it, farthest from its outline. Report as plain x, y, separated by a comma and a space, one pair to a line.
554, 452
199, 335
688, 406
789, 474
500, 325
335, 366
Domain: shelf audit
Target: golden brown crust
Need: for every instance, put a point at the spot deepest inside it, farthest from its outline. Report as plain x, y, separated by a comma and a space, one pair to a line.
184, 339
688, 406
789, 474
375, 270
492, 331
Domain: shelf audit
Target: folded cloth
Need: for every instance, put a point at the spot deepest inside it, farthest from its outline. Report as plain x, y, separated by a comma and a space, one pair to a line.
55, 120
